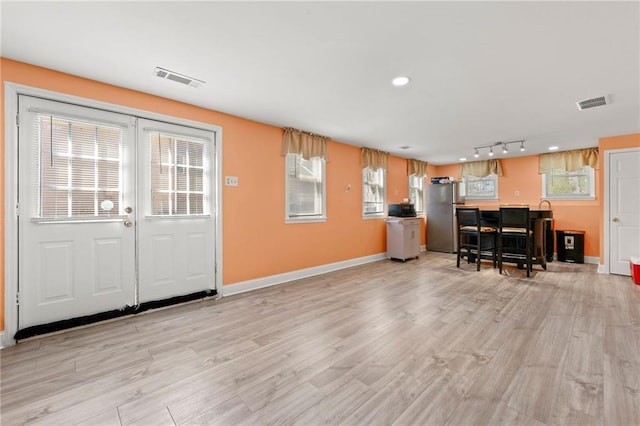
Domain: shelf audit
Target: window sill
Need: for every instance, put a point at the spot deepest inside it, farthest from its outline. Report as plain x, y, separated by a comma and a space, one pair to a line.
375, 216
314, 219
566, 198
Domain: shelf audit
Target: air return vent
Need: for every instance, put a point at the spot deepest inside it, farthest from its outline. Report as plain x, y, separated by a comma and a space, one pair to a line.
179, 78
593, 102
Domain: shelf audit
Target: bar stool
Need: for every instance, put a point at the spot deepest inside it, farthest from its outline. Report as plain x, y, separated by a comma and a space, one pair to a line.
474, 237
514, 226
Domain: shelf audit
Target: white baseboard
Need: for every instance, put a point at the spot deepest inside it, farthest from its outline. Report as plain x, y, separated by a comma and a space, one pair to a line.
2, 340
423, 248
591, 259
244, 286
587, 259
602, 269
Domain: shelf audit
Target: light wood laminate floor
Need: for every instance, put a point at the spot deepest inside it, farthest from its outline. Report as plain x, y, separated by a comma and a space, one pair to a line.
415, 343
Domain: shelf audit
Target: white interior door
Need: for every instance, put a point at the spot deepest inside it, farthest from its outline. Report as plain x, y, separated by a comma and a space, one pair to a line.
76, 256
624, 209
175, 214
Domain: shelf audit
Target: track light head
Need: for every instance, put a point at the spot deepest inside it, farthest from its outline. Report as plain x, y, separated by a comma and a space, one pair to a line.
490, 151
504, 148
522, 146
476, 154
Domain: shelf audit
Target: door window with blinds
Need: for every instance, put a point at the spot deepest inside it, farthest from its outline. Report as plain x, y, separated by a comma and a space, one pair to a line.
79, 168
305, 189
179, 176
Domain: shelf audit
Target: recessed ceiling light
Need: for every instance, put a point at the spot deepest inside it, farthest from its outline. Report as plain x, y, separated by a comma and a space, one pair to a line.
400, 81
553, 148
463, 159
404, 147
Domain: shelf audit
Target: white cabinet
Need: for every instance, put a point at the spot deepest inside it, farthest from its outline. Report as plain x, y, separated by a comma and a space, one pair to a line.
403, 237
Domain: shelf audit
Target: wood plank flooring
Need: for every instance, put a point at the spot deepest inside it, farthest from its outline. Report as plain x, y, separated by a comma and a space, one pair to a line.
415, 343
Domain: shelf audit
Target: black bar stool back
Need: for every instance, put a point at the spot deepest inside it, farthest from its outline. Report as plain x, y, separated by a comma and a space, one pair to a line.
515, 237
474, 238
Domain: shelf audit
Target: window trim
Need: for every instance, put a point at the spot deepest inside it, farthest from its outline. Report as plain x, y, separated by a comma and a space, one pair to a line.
591, 175
383, 213
316, 218
494, 197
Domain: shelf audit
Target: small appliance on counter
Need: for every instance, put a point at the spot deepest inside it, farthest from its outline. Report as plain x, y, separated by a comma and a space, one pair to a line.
402, 210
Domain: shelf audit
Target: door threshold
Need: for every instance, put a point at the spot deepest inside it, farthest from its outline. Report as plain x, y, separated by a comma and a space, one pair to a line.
37, 330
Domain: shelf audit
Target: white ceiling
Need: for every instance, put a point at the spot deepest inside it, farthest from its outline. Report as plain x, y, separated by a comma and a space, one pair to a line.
482, 72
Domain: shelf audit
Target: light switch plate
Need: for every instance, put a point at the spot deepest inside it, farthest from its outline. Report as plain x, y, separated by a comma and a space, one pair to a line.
231, 180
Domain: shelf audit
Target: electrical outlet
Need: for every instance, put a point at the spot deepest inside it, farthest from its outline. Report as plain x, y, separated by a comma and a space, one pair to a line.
231, 180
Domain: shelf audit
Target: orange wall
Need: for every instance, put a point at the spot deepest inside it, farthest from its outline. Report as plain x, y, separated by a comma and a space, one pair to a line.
521, 174
607, 144
256, 241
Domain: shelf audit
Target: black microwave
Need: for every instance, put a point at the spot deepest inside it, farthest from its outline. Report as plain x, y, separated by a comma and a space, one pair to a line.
402, 210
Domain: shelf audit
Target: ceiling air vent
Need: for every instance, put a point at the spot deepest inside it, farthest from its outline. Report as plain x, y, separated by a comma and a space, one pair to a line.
180, 78
593, 102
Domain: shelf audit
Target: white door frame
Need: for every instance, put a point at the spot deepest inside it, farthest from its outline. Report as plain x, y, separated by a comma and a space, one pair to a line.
607, 200
11, 93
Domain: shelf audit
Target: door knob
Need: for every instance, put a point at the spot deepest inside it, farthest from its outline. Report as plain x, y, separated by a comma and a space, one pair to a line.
128, 223
615, 219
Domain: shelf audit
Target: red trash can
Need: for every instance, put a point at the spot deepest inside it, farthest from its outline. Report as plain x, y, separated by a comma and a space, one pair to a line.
634, 263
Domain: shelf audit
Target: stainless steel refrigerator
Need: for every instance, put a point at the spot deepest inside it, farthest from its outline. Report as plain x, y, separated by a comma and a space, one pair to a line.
442, 199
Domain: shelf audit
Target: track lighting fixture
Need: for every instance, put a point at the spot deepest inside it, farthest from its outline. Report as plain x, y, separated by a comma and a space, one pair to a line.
504, 146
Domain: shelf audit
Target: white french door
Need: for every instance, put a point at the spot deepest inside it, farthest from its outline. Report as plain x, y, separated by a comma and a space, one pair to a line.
176, 232
114, 211
624, 209
76, 256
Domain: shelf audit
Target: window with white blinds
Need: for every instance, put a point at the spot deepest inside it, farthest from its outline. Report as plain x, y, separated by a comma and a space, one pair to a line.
178, 175
79, 168
305, 188
373, 192
416, 192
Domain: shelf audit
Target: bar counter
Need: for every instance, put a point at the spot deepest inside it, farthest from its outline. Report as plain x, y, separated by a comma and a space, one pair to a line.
540, 223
